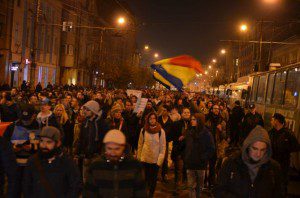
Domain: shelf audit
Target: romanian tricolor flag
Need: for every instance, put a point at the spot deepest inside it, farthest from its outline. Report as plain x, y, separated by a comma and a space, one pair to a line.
177, 71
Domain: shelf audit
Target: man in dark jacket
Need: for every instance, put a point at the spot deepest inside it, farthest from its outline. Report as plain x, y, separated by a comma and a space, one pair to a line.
9, 110
251, 120
177, 135
132, 120
23, 136
50, 173
7, 167
251, 173
115, 174
284, 143
92, 132
217, 126
235, 122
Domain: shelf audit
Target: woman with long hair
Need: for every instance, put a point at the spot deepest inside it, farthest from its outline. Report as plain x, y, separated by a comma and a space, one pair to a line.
151, 150
199, 147
63, 120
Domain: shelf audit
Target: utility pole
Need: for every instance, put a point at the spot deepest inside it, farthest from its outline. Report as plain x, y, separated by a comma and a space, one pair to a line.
33, 43
260, 46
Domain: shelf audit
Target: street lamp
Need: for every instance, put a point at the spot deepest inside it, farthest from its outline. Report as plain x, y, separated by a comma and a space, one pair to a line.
146, 47
121, 20
243, 28
214, 60
223, 51
206, 72
209, 66
156, 55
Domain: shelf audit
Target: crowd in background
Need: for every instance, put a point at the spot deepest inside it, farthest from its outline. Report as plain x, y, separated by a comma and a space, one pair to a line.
206, 142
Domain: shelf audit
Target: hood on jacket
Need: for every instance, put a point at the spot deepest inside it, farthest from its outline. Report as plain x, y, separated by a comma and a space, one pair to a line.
257, 134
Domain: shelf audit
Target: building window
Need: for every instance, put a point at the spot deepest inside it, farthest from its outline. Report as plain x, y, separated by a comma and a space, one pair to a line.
279, 88
292, 88
71, 50
261, 89
270, 88
254, 88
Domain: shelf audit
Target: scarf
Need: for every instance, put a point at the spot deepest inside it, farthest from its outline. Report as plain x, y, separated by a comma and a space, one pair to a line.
153, 129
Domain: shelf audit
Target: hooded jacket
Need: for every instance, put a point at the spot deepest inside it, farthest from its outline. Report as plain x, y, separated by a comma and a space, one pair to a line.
239, 177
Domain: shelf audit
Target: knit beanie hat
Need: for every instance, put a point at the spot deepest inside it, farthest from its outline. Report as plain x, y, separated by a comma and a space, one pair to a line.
93, 106
115, 136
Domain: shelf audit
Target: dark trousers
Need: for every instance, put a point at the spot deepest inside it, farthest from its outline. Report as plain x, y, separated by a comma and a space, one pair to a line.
19, 175
164, 168
180, 171
212, 172
151, 172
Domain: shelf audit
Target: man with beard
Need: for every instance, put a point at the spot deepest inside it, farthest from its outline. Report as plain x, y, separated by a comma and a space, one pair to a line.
50, 173
177, 135
132, 120
284, 143
217, 126
115, 174
23, 136
251, 173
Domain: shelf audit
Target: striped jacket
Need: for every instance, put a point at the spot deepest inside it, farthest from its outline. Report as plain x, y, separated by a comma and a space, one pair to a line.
123, 179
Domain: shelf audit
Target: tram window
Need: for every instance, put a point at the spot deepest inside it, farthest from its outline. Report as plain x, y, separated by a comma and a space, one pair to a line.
261, 89
254, 89
270, 88
279, 88
292, 87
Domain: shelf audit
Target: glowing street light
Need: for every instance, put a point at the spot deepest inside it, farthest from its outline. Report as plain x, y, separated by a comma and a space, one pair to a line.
146, 47
214, 60
121, 20
209, 67
223, 51
156, 55
243, 28
206, 72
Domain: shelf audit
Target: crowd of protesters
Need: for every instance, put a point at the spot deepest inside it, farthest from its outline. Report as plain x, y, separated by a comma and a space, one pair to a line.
71, 141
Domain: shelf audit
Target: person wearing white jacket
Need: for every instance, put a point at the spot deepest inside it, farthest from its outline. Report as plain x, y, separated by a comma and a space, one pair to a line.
151, 150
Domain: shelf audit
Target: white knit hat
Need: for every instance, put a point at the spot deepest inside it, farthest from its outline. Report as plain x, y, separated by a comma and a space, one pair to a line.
115, 136
93, 106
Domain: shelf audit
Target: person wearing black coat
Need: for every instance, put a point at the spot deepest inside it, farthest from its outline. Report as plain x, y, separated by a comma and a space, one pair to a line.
92, 132
132, 119
251, 120
9, 111
38, 88
235, 122
8, 167
251, 173
51, 173
177, 135
199, 148
284, 143
166, 123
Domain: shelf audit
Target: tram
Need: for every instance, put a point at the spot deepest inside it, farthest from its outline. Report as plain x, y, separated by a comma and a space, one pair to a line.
278, 92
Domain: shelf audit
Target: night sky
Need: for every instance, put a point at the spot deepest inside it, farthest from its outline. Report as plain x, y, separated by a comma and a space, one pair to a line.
195, 27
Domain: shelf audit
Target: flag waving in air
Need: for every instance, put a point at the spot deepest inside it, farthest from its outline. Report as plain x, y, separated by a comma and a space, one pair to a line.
177, 71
